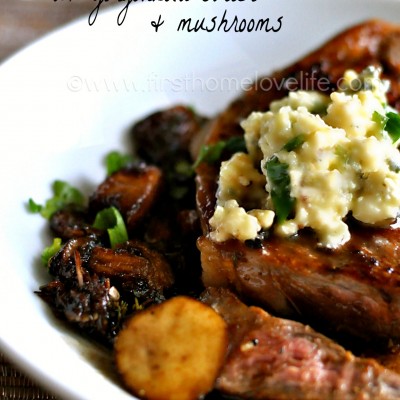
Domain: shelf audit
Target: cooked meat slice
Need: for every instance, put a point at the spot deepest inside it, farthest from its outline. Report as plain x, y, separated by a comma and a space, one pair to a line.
389, 359
391, 52
355, 288
132, 191
274, 358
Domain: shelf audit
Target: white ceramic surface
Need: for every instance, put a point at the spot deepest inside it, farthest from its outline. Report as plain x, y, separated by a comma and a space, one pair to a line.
68, 99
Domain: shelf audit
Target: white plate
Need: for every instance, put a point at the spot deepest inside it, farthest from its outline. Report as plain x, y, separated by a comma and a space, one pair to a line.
67, 100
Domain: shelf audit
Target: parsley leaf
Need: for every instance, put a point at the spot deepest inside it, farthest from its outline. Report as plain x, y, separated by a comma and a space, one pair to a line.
63, 195
389, 122
294, 143
111, 219
343, 154
50, 251
235, 144
212, 153
183, 168
393, 125
380, 119
279, 180
116, 161
393, 166
33, 207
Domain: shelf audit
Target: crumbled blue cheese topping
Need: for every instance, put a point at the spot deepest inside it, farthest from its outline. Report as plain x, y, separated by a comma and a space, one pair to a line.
334, 154
240, 183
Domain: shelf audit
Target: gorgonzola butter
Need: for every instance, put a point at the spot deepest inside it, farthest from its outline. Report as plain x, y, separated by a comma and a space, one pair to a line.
332, 155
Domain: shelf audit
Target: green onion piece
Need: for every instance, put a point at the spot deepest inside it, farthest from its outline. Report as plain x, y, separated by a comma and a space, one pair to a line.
393, 166
116, 161
137, 306
122, 309
33, 207
294, 143
111, 219
390, 122
279, 180
184, 168
235, 144
342, 153
320, 109
210, 154
379, 119
178, 192
50, 251
393, 125
63, 195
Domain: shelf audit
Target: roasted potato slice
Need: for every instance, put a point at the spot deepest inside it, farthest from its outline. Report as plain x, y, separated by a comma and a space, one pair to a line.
172, 351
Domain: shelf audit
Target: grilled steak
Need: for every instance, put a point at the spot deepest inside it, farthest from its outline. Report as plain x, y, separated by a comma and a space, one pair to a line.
274, 358
355, 288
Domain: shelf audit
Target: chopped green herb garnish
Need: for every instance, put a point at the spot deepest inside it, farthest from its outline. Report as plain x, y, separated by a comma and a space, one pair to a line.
213, 153
63, 195
210, 153
380, 119
294, 143
235, 144
51, 250
122, 309
116, 161
179, 178
184, 168
320, 109
111, 219
393, 125
393, 166
279, 180
192, 109
137, 306
178, 192
389, 122
342, 153
33, 207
